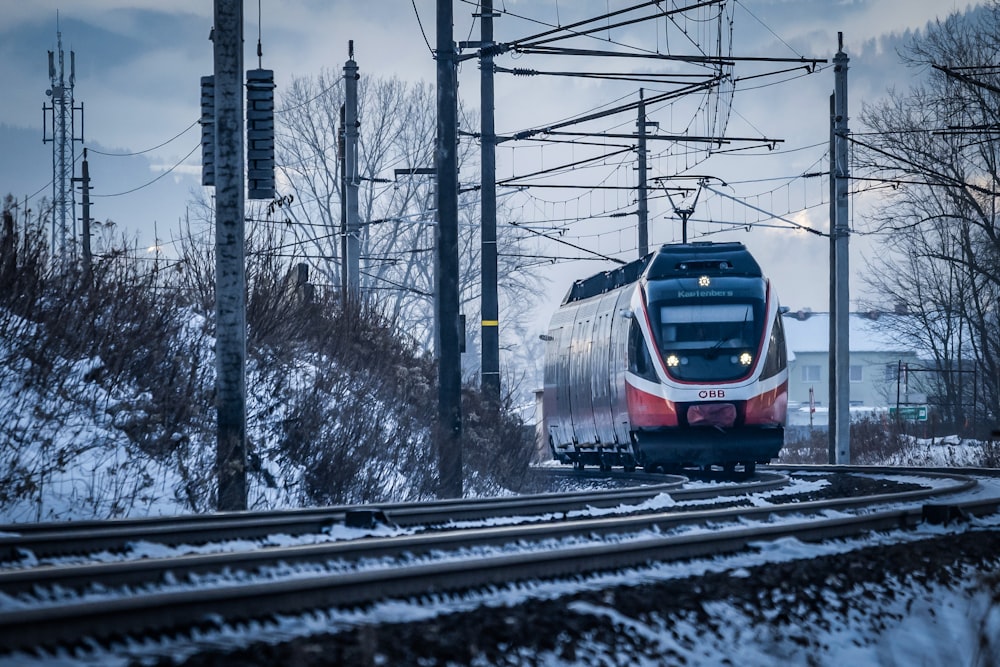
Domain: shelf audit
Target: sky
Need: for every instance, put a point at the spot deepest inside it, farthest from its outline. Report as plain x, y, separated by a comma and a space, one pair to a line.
138, 66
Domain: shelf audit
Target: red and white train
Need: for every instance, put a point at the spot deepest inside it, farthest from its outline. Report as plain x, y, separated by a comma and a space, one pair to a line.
676, 359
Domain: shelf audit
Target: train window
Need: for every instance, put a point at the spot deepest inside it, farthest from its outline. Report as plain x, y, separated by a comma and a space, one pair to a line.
707, 327
777, 355
709, 340
639, 361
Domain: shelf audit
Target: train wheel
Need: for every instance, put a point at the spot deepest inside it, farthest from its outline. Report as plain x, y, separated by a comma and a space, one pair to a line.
750, 467
629, 467
578, 465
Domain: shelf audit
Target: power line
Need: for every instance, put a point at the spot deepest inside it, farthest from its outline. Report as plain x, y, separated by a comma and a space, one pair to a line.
421, 24
173, 138
767, 27
145, 185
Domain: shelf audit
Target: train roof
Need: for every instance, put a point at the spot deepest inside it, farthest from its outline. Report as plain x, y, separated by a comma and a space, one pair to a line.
674, 260
678, 260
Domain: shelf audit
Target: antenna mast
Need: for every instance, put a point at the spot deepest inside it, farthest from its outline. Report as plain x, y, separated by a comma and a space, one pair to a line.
60, 123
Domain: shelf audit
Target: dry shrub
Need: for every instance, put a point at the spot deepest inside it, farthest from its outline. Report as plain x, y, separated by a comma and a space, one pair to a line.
497, 447
813, 449
341, 402
875, 440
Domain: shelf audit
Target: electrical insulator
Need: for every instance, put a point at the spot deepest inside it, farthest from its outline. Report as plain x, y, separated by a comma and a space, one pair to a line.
208, 130
260, 134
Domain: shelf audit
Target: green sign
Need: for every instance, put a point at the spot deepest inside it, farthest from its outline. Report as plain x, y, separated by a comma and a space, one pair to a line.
913, 413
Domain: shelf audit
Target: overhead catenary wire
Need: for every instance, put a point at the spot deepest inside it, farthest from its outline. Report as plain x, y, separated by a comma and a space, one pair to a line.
545, 38
630, 106
608, 40
761, 210
552, 140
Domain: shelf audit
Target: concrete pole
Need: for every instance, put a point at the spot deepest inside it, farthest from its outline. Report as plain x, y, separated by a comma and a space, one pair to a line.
489, 300
832, 367
449, 427
352, 256
642, 208
842, 232
230, 280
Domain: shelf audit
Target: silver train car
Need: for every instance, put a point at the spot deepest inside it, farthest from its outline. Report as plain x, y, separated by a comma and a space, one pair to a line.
676, 359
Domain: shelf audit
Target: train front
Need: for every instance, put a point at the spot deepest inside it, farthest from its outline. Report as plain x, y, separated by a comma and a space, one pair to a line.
709, 380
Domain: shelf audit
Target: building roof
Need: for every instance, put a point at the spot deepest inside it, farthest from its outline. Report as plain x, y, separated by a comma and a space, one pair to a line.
807, 331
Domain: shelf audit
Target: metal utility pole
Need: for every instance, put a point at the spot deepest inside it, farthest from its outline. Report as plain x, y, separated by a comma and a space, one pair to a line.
62, 126
85, 220
342, 165
642, 208
840, 397
230, 279
449, 427
489, 304
352, 241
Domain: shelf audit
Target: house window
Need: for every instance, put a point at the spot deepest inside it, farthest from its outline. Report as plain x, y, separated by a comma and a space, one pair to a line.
891, 372
810, 373
855, 374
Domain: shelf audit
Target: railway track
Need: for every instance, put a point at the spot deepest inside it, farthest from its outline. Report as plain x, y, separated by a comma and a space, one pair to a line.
78, 538
59, 605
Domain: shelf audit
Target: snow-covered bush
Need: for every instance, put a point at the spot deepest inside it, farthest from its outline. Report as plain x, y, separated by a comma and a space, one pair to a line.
107, 390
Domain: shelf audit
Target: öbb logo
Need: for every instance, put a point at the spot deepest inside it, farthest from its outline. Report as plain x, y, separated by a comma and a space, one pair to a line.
712, 393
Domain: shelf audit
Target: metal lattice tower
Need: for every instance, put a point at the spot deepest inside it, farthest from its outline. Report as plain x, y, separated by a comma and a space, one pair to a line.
61, 123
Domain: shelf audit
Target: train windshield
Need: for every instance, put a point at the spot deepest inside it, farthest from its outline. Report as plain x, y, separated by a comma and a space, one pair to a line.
709, 341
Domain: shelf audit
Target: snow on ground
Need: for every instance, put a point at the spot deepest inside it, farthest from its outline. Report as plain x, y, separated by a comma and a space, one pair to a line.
920, 624
949, 452
930, 625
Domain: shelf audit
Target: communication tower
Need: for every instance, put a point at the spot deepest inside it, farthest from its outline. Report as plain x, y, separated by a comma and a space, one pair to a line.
60, 129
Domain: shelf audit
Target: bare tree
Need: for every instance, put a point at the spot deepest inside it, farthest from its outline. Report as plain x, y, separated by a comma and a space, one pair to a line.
937, 145
397, 211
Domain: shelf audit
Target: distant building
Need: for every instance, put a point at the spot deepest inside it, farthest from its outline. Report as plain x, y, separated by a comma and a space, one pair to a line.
876, 357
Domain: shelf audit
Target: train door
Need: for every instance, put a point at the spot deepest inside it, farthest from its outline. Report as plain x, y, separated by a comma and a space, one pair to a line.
602, 377
618, 363
581, 370
557, 407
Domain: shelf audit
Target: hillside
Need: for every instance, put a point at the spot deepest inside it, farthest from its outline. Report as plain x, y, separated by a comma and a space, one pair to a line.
106, 392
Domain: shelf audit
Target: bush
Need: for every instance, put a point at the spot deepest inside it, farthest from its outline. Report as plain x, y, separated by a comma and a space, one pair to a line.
107, 391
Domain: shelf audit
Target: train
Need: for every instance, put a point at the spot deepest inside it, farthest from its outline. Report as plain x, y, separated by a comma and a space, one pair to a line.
674, 360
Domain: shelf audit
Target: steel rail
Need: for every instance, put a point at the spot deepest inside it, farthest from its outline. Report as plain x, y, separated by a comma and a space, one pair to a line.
82, 537
153, 570
70, 621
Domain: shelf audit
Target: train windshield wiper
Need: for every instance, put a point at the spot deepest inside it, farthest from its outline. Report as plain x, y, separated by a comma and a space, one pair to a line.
713, 351
722, 341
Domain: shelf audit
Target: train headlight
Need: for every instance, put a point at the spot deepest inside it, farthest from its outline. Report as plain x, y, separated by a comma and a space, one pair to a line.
746, 359
673, 361
704, 281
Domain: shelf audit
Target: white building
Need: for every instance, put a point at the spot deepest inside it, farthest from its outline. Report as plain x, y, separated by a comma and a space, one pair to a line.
876, 357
